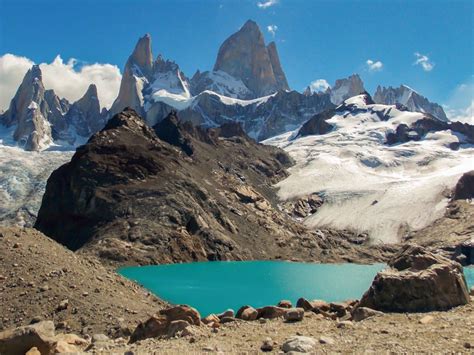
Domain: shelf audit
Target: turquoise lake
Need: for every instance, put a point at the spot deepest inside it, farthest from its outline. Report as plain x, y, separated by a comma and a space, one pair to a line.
213, 287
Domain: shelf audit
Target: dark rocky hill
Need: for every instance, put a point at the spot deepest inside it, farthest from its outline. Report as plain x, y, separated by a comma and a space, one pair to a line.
131, 196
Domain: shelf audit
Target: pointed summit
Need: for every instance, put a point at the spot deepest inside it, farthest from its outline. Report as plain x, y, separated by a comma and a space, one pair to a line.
277, 70
29, 111
137, 73
346, 88
84, 115
244, 56
142, 55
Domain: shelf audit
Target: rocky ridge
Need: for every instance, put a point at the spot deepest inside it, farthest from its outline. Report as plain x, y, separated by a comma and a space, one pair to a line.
208, 192
40, 118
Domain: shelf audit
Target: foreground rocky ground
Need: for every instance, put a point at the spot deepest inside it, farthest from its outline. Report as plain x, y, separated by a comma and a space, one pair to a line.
40, 279
450, 331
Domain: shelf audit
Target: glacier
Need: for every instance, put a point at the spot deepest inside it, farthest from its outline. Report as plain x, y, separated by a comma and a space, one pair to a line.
368, 186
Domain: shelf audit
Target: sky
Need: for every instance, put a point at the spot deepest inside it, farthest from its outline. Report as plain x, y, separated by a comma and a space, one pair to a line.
425, 44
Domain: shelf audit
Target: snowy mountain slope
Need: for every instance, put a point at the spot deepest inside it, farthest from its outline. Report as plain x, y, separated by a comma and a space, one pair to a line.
368, 185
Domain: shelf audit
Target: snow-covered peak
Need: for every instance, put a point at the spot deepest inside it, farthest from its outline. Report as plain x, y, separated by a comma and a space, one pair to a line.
409, 98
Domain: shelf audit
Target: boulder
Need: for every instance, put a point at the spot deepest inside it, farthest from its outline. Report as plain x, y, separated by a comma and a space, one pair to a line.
164, 323
182, 312
267, 345
417, 281
284, 304
211, 318
22, 339
300, 344
271, 312
294, 315
177, 326
315, 305
226, 313
247, 313
361, 313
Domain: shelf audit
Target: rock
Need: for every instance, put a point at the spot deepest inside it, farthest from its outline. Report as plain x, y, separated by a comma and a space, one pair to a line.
22, 339
162, 323
284, 304
361, 313
211, 318
177, 326
316, 305
417, 281
267, 345
294, 315
271, 312
33, 351
345, 324
339, 308
316, 125
426, 319
326, 340
300, 344
465, 187
304, 303
247, 313
62, 305
182, 312
227, 313
471, 292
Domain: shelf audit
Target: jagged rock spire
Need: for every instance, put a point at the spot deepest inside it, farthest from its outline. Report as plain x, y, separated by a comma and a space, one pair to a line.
244, 56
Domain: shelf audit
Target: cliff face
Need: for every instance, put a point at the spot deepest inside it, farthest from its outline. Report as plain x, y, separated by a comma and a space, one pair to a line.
245, 56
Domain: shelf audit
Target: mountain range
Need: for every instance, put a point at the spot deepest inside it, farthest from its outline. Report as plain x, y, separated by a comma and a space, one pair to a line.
247, 85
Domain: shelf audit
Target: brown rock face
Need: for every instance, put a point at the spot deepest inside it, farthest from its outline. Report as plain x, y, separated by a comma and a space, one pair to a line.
245, 56
417, 281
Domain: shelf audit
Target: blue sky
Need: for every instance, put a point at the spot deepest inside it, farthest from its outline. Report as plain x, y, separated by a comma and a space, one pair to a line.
316, 39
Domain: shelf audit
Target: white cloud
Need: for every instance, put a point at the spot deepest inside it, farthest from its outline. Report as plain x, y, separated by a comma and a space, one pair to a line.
266, 4
424, 61
465, 115
374, 66
319, 85
460, 105
12, 71
272, 29
63, 78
